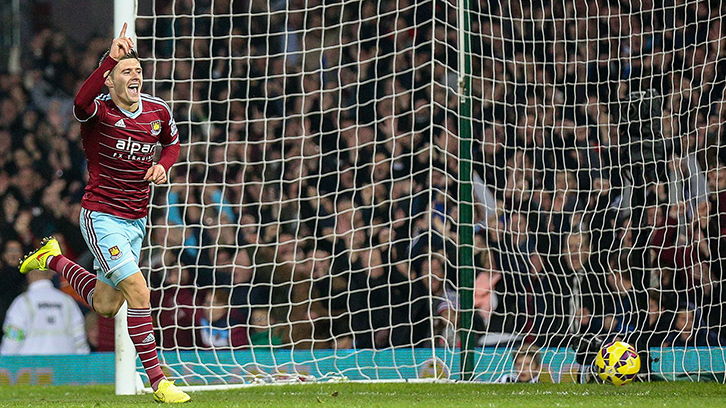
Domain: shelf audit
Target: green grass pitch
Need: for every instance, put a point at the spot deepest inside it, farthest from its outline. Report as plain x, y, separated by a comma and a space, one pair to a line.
662, 394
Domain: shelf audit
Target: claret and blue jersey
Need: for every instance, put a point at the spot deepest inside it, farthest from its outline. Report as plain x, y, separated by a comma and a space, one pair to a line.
120, 147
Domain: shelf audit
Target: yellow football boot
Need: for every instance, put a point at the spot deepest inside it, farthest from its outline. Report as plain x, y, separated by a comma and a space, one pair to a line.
168, 393
38, 259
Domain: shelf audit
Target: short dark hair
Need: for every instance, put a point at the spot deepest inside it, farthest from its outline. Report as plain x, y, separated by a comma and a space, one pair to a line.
131, 54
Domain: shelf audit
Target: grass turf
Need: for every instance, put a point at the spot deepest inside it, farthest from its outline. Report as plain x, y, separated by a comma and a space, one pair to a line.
662, 394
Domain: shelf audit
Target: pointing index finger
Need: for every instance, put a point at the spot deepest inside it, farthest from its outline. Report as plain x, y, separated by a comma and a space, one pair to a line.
123, 31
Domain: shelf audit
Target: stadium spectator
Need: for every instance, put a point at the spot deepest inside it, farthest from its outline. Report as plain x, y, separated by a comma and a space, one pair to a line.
380, 314
219, 325
313, 317
678, 241
432, 273
715, 226
332, 287
689, 330
262, 329
244, 293
43, 320
587, 304
513, 248
12, 282
600, 218
175, 303
486, 299
527, 361
621, 303
660, 316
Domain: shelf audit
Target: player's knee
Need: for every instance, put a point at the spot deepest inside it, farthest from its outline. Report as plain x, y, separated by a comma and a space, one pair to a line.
139, 296
106, 312
107, 308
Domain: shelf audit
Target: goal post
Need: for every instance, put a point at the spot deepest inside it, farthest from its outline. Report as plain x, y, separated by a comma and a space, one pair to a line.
466, 192
427, 190
124, 12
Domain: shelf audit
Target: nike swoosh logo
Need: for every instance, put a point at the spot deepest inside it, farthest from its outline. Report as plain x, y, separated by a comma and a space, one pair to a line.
40, 255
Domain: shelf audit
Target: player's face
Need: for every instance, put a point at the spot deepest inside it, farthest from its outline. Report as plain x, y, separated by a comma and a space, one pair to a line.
125, 84
526, 368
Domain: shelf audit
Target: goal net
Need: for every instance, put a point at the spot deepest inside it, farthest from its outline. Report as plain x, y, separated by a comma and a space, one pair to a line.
336, 214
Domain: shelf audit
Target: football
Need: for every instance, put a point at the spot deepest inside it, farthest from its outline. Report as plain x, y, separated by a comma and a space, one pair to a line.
617, 363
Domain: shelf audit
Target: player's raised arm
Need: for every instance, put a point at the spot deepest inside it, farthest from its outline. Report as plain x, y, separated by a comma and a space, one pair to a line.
84, 106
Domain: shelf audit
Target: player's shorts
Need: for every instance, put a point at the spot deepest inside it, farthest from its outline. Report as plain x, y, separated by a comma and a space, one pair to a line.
115, 243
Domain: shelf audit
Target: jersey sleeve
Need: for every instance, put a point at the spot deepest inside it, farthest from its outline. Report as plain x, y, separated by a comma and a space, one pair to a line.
169, 139
169, 133
86, 105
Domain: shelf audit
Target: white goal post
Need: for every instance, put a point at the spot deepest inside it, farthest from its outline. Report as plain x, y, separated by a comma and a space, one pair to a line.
314, 226
124, 12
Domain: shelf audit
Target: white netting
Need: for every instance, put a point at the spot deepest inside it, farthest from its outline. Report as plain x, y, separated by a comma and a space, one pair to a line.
316, 203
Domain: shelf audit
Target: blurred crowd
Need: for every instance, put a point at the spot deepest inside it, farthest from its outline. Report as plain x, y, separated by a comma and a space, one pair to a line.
316, 202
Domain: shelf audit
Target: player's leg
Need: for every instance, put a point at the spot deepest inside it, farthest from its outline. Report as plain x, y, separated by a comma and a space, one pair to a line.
49, 256
126, 283
121, 252
134, 290
107, 299
141, 331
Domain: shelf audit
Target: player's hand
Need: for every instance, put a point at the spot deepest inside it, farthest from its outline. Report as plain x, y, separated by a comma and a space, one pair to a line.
156, 174
121, 45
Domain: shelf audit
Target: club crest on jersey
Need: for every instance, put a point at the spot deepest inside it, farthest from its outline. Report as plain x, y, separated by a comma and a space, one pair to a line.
115, 252
155, 127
